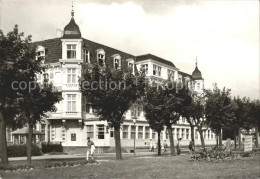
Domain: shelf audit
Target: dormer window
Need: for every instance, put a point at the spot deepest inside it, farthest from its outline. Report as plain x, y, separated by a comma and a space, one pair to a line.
86, 56
40, 53
130, 65
171, 75
101, 57
71, 51
117, 62
157, 70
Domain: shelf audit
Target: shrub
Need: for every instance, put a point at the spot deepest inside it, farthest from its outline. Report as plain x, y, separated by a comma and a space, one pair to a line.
21, 150
214, 154
49, 147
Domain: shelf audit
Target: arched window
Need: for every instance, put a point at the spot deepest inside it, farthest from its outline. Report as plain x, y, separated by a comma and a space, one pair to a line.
101, 57
40, 53
131, 64
117, 61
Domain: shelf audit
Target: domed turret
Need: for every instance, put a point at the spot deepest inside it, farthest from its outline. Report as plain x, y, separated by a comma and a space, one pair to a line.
71, 30
196, 74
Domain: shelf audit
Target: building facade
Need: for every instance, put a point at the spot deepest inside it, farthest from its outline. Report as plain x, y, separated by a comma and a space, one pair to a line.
74, 120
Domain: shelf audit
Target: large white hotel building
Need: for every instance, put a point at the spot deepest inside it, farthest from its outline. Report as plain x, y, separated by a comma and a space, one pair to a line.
74, 120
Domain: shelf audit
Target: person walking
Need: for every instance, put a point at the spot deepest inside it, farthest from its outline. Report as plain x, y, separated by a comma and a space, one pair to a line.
165, 145
90, 149
179, 147
151, 146
191, 145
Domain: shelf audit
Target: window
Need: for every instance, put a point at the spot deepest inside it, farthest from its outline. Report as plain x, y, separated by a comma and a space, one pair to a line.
157, 70
147, 132
88, 107
43, 131
71, 102
39, 77
182, 133
111, 132
101, 131
166, 134
40, 55
140, 132
90, 131
208, 134
71, 51
198, 86
101, 57
71, 78
73, 137
117, 62
170, 75
154, 135
51, 76
136, 110
45, 76
187, 133
125, 132
178, 133
131, 67
132, 132
145, 68
86, 58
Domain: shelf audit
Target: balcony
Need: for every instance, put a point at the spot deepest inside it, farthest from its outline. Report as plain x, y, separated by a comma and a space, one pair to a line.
76, 61
71, 115
70, 86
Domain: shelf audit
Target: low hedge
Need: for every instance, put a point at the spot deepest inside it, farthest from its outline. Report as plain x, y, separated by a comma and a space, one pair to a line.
49, 147
21, 150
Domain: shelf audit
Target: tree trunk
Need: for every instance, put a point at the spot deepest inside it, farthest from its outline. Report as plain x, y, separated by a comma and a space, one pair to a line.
201, 138
159, 143
118, 143
217, 142
192, 135
239, 139
171, 141
235, 138
256, 135
29, 144
3, 143
220, 137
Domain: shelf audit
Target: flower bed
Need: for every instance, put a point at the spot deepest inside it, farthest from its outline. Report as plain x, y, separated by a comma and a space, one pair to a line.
215, 154
46, 165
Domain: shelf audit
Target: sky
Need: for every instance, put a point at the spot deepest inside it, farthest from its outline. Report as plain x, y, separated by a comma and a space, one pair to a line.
223, 35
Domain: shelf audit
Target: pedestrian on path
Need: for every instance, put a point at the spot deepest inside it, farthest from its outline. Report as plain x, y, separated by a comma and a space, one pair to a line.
165, 145
90, 149
191, 145
151, 146
179, 147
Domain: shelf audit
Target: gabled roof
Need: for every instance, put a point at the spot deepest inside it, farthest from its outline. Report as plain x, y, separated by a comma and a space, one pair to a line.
153, 57
25, 130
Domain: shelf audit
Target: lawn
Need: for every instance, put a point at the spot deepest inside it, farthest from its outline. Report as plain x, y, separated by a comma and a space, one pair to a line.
151, 167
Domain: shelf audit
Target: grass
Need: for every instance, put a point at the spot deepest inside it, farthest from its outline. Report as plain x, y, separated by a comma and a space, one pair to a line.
150, 167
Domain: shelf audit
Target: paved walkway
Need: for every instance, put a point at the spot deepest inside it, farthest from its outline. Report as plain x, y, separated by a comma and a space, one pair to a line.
97, 156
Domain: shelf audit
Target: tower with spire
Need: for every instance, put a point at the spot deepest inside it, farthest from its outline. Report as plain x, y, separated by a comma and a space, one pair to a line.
198, 80
72, 30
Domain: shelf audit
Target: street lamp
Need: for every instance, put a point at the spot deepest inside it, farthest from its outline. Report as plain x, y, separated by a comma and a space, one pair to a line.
134, 121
